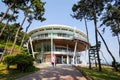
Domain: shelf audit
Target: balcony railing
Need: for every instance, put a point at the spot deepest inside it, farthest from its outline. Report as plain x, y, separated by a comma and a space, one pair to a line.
62, 53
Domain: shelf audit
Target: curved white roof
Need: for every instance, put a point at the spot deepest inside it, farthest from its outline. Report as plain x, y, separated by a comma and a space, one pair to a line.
52, 25
57, 26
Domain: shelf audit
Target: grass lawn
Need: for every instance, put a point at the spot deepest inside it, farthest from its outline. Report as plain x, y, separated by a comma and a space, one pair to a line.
12, 73
106, 74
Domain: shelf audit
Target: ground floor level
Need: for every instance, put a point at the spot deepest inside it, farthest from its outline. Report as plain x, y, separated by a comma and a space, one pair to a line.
62, 59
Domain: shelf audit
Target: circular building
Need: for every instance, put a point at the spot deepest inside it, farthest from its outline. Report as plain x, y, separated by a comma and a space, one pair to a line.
59, 43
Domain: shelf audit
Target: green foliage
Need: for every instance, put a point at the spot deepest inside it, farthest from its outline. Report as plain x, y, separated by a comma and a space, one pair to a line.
111, 17
9, 44
117, 64
9, 34
32, 9
9, 59
16, 3
106, 74
1, 48
38, 57
30, 69
39, 10
12, 74
86, 8
9, 17
24, 62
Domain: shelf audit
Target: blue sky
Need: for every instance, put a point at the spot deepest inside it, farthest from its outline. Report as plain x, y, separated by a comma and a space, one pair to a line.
58, 12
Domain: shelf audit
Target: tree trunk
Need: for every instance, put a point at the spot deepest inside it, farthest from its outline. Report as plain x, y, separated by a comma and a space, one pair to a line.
4, 49
86, 30
87, 36
6, 12
24, 36
96, 36
16, 36
7, 66
87, 41
6, 24
114, 61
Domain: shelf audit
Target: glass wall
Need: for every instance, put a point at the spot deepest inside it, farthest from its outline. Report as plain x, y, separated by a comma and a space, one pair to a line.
46, 47
43, 47
56, 33
63, 49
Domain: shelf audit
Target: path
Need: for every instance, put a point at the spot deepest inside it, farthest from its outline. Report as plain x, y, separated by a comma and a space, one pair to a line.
60, 72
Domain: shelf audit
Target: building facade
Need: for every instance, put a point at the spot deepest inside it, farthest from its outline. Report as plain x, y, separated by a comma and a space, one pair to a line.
59, 43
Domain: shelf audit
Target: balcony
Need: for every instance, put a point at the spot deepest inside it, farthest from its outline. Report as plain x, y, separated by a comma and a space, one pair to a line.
60, 53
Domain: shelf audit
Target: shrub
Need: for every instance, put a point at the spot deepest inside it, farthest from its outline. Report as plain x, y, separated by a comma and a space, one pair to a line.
9, 60
23, 61
30, 69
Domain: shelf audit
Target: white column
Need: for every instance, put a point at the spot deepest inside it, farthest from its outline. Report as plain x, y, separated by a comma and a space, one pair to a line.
62, 59
67, 59
85, 55
42, 52
28, 48
32, 47
67, 55
76, 59
51, 47
74, 52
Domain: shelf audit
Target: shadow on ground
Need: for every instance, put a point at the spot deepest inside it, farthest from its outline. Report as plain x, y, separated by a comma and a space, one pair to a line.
61, 72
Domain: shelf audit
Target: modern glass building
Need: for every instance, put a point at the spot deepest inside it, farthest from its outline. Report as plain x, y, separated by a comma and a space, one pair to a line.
59, 43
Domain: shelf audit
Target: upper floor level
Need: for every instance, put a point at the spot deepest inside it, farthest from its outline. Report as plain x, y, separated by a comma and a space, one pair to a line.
57, 32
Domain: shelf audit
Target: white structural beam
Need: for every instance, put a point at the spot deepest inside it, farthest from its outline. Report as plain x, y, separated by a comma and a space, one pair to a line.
86, 48
67, 55
28, 48
32, 47
52, 55
76, 58
74, 51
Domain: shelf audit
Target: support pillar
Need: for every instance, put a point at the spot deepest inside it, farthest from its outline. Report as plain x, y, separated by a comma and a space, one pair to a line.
28, 48
32, 48
62, 59
67, 55
74, 52
67, 59
76, 60
85, 55
52, 56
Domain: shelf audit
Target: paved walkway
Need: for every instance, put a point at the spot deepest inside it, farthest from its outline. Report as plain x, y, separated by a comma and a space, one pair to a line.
60, 72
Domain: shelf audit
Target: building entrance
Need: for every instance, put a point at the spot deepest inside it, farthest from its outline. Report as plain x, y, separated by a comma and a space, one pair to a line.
61, 59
